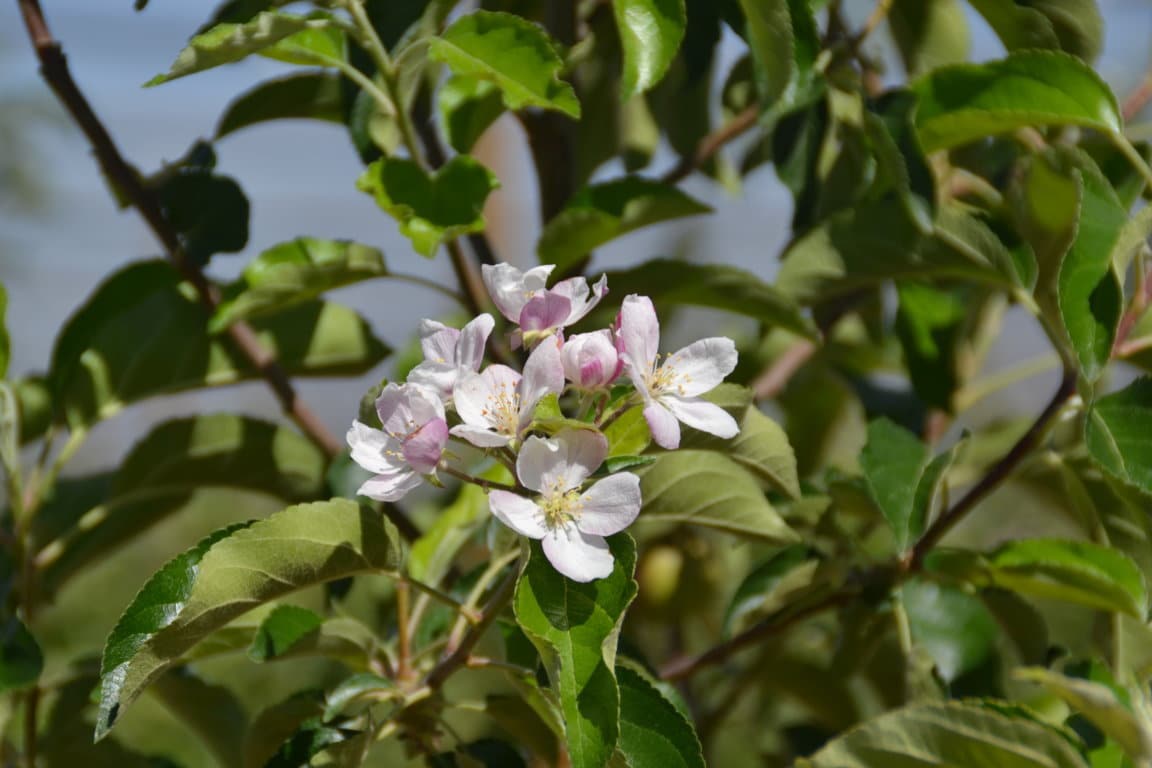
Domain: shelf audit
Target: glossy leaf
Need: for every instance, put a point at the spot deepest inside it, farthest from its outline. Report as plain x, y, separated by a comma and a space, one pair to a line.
103, 362
1116, 434
653, 732
467, 107
963, 103
306, 95
892, 462
710, 490
431, 209
650, 35
21, 659
512, 53
295, 272
784, 40
199, 591
574, 627
953, 626
282, 630
602, 212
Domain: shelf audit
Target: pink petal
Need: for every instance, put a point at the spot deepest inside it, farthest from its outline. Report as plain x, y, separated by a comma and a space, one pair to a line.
581, 308
438, 341
639, 331
511, 289
545, 311
700, 414
480, 437
663, 425
404, 407
610, 505
369, 447
560, 463
422, 450
702, 365
580, 557
391, 487
518, 513
473, 338
590, 359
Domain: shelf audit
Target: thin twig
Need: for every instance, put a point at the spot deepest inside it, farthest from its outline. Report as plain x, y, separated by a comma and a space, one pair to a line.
775, 377
708, 146
1138, 99
878, 15
460, 655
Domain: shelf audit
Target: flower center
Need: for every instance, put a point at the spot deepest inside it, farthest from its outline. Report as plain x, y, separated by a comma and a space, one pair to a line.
560, 509
665, 378
502, 409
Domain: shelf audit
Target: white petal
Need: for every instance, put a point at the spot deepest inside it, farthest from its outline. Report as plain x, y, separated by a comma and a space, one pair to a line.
561, 463
369, 447
405, 407
663, 425
518, 513
538, 461
578, 556
640, 331
438, 341
390, 487
543, 374
510, 288
480, 437
473, 337
476, 394
702, 415
702, 365
610, 505
440, 377
581, 309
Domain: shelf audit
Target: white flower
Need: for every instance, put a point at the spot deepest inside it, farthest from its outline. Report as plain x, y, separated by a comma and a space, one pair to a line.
511, 289
408, 447
571, 525
539, 311
450, 353
498, 404
671, 391
590, 359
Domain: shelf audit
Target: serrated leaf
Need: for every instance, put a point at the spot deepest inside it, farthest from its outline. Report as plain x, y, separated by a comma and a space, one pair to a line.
602, 212
511, 52
653, 732
305, 95
467, 107
574, 627
650, 35
282, 630
21, 660
951, 733
966, 102
892, 462
1116, 434
784, 41
295, 272
711, 490
230, 573
431, 209
141, 334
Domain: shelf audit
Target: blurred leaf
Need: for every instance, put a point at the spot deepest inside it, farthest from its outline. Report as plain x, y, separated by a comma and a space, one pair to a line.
719, 286
963, 103
35, 402
929, 324
431, 209
21, 660
272, 727
893, 461
209, 213
66, 736
1074, 26
196, 593
1021, 622
953, 626
770, 586
761, 447
574, 627
929, 33
650, 32
784, 41
433, 553
295, 272
950, 733
1116, 434
711, 490
305, 95
210, 711
361, 685
600, 213
282, 630
511, 52
103, 361
653, 732
467, 106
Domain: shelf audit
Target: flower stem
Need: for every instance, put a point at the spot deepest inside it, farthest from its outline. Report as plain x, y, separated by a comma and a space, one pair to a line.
487, 485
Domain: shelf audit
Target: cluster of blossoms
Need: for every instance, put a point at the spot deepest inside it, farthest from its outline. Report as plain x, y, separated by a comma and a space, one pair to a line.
452, 396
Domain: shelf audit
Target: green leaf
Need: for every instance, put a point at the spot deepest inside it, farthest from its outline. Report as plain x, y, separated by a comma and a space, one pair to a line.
1075, 571
602, 212
295, 272
929, 33
1074, 26
209, 212
930, 324
761, 447
628, 435
718, 286
711, 490
1116, 434
21, 660
952, 734
433, 553
343, 639
467, 107
275, 725
142, 334
892, 462
574, 626
210, 711
230, 573
771, 586
227, 43
650, 34
431, 209
784, 40
511, 52
305, 95
282, 630
953, 626
653, 732
963, 103
358, 686
35, 403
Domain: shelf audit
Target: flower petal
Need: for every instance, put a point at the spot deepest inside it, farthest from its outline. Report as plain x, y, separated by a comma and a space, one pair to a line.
476, 394
663, 425
439, 377
545, 311
369, 449
701, 414
581, 303
639, 331
590, 359
405, 407
438, 341
543, 375
560, 463
423, 449
579, 556
473, 338
610, 505
538, 462
518, 513
480, 437
702, 365
390, 487
511, 289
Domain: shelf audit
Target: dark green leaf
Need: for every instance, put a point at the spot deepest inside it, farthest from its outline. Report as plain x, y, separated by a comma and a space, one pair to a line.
930, 324
600, 213
653, 732
275, 725
953, 626
431, 209
306, 95
770, 586
283, 629
574, 627
209, 212
1074, 26
1116, 434
784, 40
467, 107
199, 592
21, 660
35, 402
210, 711
511, 52
295, 272
963, 103
929, 33
650, 33
892, 462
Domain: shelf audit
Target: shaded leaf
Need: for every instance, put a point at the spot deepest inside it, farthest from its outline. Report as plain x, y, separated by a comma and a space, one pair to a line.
21, 660
929, 324
433, 553
35, 402
1074, 26
1116, 434
467, 107
770, 586
892, 462
305, 95
784, 41
210, 711
761, 447
5, 341
360, 685
929, 33
282, 630
654, 733
650, 34
209, 212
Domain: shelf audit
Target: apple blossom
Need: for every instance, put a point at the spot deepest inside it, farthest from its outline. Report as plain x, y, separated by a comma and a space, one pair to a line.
590, 359
409, 445
571, 525
539, 311
450, 353
498, 404
671, 391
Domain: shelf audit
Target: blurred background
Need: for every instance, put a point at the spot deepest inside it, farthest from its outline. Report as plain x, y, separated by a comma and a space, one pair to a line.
61, 234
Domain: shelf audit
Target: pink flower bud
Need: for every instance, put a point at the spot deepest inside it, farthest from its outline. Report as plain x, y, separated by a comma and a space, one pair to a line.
590, 360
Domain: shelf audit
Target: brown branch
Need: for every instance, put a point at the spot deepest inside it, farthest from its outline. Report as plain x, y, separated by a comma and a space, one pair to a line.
491, 611
1136, 309
708, 146
1138, 99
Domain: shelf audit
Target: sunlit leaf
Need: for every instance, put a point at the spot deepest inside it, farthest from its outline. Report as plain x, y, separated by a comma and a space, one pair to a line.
653, 732
650, 33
